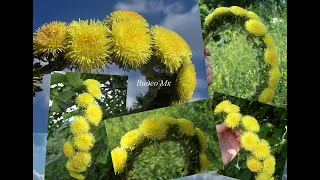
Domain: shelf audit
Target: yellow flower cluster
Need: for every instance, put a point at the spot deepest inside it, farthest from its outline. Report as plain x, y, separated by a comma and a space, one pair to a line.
156, 129
260, 159
78, 149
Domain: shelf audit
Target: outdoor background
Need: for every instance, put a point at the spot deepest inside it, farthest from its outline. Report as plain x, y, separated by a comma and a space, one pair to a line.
273, 128
233, 58
163, 161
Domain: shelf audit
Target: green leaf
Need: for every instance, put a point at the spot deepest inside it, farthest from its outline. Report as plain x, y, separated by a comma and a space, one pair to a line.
280, 164
245, 175
103, 156
55, 106
65, 96
74, 80
57, 78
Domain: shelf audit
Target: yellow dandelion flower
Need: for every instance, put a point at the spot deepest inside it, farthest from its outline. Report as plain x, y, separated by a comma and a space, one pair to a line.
93, 114
250, 123
94, 91
271, 178
91, 83
249, 140
84, 99
271, 57
255, 27
252, 15
70, 167
89, 44
174, 103
68, 149
217, 12
171, 48
269, 171
186, 82
170, 121
119, 159
81, 159
268, 40
269, 162
153, 129
266, 95
77, 175
131, 44
261, 150
262, 176
83, 142
274, 76
232, 120
239, 11
51, 38
221, 106
186, 127
231, 108
79, 125
203, 161
254, 164
131, 139
128, 16
201, 137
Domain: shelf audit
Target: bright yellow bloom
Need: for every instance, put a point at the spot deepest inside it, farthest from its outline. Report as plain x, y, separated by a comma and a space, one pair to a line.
93, 114
83, 142
128, 16
131, 43
153, 129
51, 38
186, 82
255, 27
217, 12
88, 48
274, 76
221, 106
79, 125
131, 139
171, 48
269, 171
81, 159
232, 120
203, 161
70, 167
186, 127
119, 159
254, 164
261, 150
266, 95
269, 162
68, 149
91, 83
262, 176
94, 91
77, 175
268, 40
174, 103
201, 137
250, 123
249, 140
271, 57
252, 15
231, 108
84, 99
170, 121
239, 11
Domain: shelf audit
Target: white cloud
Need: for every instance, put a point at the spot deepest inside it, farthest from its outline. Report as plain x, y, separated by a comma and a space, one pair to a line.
174, 8
134, 90
37, 176
201, 84
196, 97
141, 6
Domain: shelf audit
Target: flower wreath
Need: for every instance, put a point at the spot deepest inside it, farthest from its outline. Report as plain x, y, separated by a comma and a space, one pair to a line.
165, 128
267, 56
260, 160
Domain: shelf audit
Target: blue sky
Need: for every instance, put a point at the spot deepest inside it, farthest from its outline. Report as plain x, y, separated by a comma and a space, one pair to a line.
39, 152
181, 16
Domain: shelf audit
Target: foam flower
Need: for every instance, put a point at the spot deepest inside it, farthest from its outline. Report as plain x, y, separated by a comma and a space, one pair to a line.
186, 127
255, 27
153, 129
119, 159
131, 139
186, 82
79, 125
93, 114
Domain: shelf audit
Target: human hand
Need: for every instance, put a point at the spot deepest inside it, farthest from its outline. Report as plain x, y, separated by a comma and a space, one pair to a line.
208, 66
229, 141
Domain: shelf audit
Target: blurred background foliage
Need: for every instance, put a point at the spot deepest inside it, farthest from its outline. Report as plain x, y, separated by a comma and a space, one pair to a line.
165, 160
233, 57
273, 128
65, 87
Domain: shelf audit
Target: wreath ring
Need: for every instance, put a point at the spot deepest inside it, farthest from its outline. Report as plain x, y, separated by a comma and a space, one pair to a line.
157, 130
268, 71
